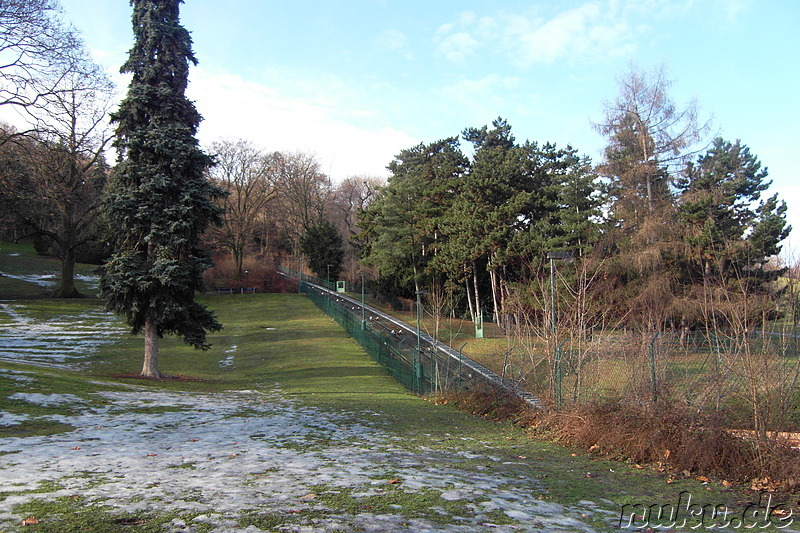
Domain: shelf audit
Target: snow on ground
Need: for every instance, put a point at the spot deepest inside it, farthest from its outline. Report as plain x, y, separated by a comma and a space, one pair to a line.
45, 399
63, 341
214, 457
92, 281
43, 280
228, 361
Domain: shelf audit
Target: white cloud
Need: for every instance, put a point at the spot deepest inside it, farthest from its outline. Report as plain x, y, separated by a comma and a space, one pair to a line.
234, 107
392, 40
395, 41
484, 98
457, 47
592, 30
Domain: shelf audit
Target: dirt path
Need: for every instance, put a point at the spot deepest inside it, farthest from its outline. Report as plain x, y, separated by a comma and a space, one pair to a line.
252, 461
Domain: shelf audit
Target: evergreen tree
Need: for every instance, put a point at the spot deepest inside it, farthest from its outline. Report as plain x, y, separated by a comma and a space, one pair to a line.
159, 201
401, 233
730, 229
323, 247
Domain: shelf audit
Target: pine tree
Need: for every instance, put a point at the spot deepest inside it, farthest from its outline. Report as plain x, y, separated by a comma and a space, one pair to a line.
159, 201
323, 246
401, 232
731, 230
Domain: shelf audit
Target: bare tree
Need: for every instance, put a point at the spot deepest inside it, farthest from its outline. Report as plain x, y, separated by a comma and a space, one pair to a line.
351, 196
70, 133
247, 174
348, 199
37, 51
648, 137
304, 191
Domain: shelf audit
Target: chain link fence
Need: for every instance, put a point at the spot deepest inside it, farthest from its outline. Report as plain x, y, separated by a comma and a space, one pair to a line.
412, 357
748, 379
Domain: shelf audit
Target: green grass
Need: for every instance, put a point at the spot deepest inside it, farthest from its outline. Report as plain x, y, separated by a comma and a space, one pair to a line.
284, 340
20, 259
313, 361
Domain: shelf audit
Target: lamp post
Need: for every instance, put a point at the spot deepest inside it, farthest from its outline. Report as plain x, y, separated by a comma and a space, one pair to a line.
328, 279
417, 362
552, 256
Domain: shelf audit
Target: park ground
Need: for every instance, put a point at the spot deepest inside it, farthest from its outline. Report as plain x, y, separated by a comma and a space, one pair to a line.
284, 425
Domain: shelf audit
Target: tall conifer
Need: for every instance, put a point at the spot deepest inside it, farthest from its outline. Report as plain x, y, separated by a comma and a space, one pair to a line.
159, 202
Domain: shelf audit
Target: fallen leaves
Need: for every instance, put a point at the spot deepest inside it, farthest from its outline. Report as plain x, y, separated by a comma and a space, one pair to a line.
30, 521
765, 484
394, 481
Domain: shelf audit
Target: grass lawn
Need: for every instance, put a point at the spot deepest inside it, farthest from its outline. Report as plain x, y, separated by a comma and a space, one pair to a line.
284, 340
430, 453
24, 274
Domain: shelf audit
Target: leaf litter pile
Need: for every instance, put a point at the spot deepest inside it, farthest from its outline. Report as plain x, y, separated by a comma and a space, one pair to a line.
218, 460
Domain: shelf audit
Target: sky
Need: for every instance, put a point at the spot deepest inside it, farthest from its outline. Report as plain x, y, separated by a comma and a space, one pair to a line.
356, 81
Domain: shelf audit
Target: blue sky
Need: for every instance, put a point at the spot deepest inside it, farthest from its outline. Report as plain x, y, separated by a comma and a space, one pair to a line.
356, 81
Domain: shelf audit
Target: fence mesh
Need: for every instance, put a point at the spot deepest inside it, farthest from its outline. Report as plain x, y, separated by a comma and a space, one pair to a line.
748, 378
413, 358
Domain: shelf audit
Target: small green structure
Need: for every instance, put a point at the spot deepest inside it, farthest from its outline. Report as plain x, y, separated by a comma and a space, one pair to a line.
341, 286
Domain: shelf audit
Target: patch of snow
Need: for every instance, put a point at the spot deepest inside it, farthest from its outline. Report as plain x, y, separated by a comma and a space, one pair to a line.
92, 281
228, 361
16, 375
60, 341
251, 451
43, 280
45, 399
11, 419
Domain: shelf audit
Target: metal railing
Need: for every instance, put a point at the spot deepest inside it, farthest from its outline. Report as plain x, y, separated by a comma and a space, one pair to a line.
419, 362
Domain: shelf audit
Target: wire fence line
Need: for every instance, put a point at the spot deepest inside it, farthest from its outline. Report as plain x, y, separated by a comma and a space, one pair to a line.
748, 379
419, 362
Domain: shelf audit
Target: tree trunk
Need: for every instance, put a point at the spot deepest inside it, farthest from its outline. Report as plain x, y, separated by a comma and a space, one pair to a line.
469, 294
238, 261
150, 366
495, 292
478, 312
67, 288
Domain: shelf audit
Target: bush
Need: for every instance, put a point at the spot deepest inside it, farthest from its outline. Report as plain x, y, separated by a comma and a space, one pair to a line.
260, 275
672, 440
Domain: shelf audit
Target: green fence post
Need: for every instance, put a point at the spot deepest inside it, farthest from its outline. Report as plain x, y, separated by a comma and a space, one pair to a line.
559, 375
460, 357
